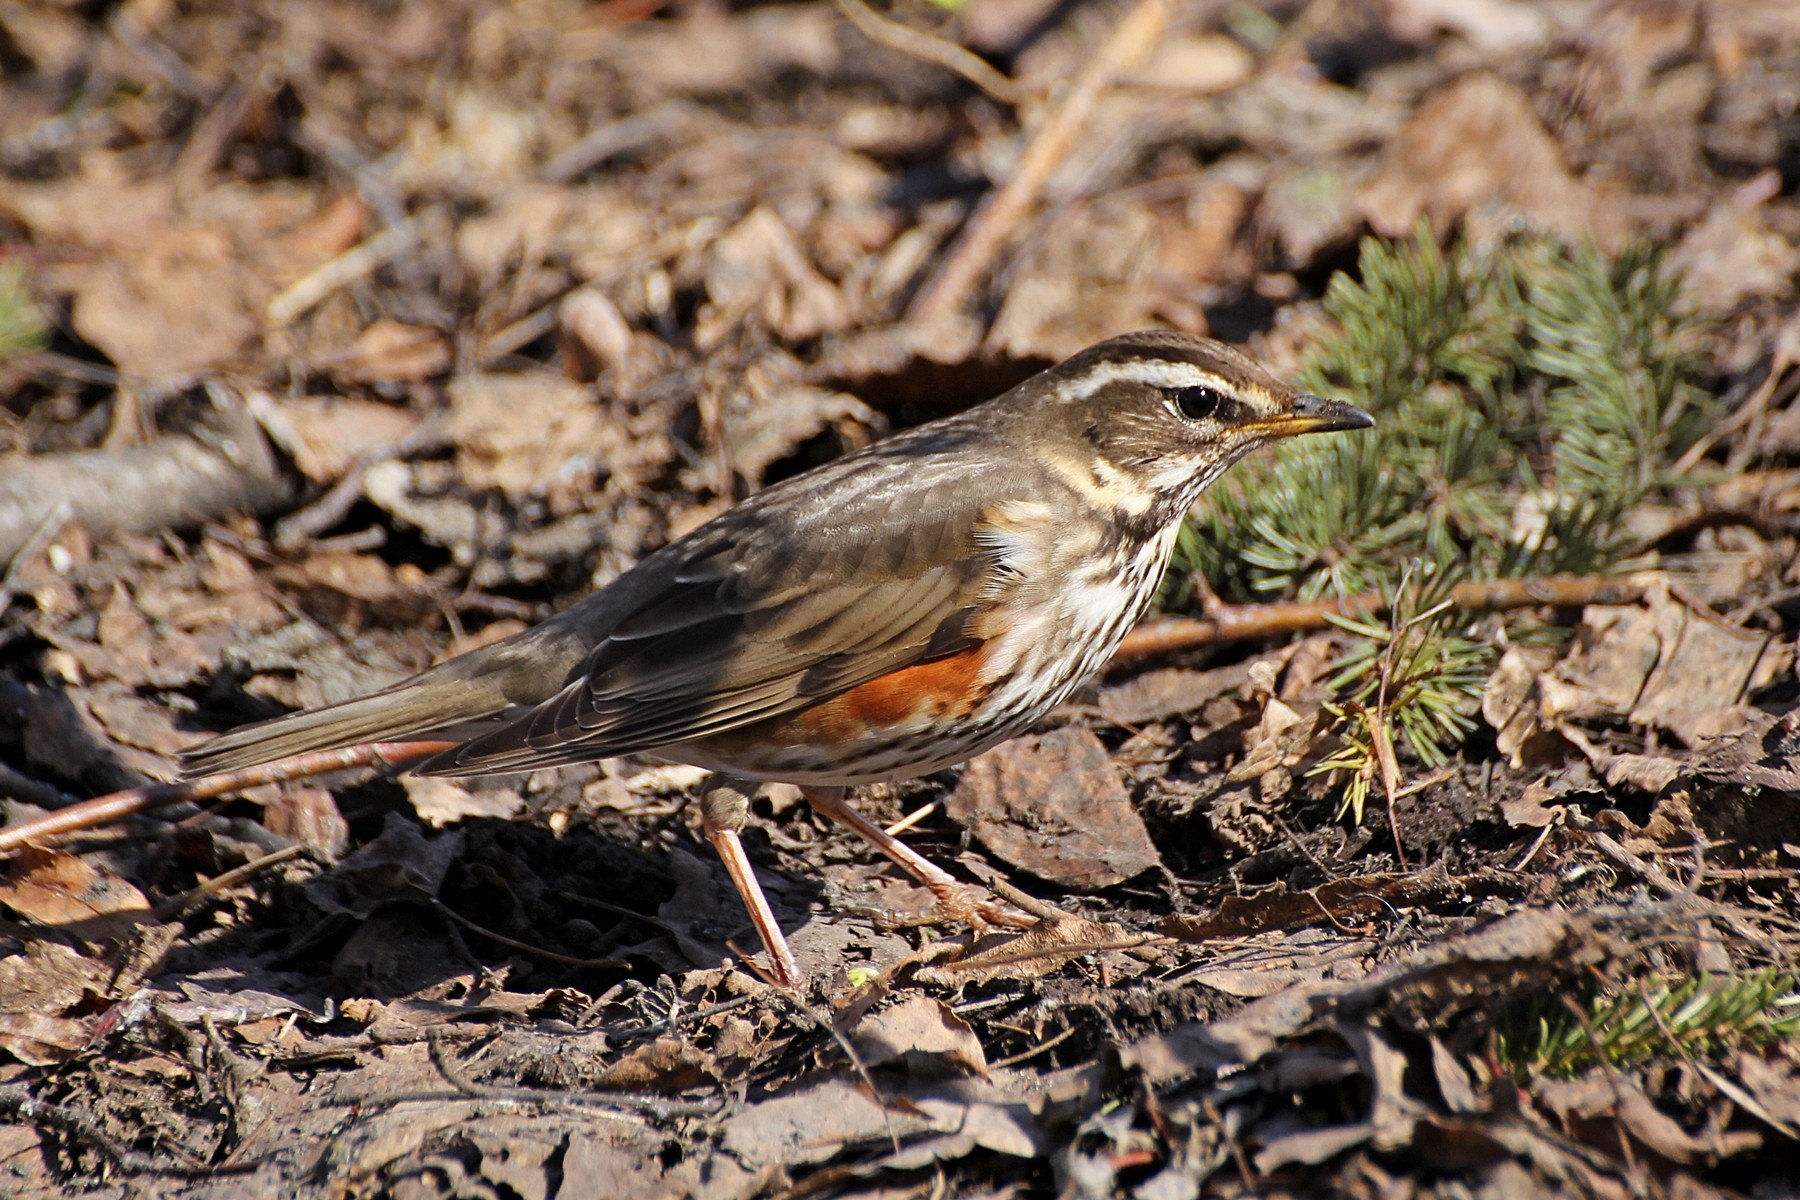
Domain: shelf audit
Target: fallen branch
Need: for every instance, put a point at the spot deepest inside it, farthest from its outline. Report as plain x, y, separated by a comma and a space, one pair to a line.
973, 252
176, 482
114, 806
1246, 622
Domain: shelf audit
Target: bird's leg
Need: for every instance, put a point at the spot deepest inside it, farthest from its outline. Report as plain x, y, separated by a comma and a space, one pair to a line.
724, 807
956, 901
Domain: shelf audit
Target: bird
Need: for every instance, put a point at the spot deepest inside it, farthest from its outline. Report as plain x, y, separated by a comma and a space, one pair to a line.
882, 616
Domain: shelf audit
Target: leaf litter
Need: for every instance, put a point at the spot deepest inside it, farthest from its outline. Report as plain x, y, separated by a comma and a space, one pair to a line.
468, 311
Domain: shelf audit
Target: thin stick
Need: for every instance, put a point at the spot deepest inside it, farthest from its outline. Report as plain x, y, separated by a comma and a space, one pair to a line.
362, 259
1246, 622
969, 258
169, 910
910, 819
102, 810
888, 32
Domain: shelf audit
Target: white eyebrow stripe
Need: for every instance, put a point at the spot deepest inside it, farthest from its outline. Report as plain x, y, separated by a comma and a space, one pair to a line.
1165, 373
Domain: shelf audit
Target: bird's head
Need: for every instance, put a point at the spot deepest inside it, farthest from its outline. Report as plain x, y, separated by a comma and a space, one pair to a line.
1155, 417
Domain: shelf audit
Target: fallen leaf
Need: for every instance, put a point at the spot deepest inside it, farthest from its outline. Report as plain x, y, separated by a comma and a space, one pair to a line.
520, 433
1338, 902
1053, 804
758, 270
440, 802
62, 891
1033, 954
667, 1064
1478, 143
1733, 255
1170, 692
402, 864
922, 1033
390, 351
1663, 664
38, 1040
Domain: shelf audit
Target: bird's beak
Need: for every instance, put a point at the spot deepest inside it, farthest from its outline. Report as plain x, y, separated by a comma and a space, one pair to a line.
1314, 414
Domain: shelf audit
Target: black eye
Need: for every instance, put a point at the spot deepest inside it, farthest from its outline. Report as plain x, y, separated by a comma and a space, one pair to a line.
1198, 403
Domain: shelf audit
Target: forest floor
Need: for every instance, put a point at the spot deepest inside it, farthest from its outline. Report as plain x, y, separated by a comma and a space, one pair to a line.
365, 334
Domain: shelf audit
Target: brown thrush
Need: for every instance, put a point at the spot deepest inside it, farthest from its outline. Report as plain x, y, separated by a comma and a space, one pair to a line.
880, 617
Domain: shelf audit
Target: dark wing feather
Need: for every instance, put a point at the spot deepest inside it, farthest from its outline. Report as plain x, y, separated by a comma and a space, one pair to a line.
800, 594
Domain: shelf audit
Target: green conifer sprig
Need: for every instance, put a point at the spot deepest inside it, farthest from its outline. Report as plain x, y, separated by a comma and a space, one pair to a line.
1613, 337
1527, 370
1699, 1016
1527, 397
1416, 674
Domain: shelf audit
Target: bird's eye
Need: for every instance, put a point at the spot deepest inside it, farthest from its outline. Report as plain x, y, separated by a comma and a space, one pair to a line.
1198, 403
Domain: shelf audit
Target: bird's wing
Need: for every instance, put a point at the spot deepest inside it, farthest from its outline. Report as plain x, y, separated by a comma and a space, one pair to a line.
794, 597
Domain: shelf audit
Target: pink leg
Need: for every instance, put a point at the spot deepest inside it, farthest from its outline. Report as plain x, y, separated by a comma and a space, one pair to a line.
956, 901
724, 806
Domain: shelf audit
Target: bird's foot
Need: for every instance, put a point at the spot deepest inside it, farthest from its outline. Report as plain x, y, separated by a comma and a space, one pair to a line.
964, 904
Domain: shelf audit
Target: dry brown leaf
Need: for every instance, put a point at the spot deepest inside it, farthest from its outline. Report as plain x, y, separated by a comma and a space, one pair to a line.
38, 1040
1663, 664
923, 1034
758, 270
1510, 701
440, 802
666, 1064
768, 412
1045, 947
390, 351
1170, 692
521, 434
1478, 144
1339, 902
1053, 804
1195, 62
65, 892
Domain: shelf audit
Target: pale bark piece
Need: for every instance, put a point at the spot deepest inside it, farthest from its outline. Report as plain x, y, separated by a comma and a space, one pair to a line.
1054, 805
175, 482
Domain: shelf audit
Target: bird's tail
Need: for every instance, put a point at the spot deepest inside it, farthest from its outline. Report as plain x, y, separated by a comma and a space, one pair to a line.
453, 701
414, 710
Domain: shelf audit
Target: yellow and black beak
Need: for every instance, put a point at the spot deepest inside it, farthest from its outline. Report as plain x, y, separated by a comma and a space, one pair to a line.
1314, 414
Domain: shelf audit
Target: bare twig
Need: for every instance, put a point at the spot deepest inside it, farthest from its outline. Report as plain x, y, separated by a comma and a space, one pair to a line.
330, 508
973, 252
174, 482
171, 909
102, 810
1245, 622
917, 43
361, 260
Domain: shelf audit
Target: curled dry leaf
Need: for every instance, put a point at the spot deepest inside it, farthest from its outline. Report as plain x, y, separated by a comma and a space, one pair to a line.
1662, 664
1043, 948
440, 802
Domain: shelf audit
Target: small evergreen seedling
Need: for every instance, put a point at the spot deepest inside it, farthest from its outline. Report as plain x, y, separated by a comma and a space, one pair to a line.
1411, 677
